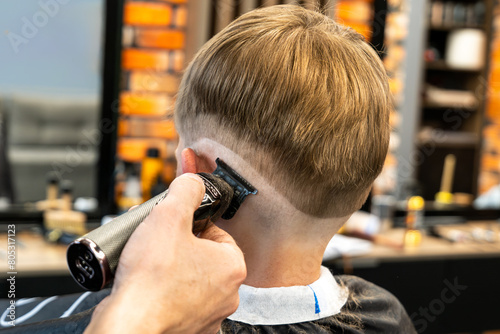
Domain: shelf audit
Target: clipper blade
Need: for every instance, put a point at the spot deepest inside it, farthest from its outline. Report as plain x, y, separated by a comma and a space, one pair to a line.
242, 188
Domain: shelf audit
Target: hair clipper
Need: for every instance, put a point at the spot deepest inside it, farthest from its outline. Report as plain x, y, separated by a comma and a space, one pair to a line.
93, 258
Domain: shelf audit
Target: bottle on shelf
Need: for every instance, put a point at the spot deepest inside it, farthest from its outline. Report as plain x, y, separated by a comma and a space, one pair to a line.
151, 168
414, 222
131, 195
65, 220
444, 197
51, 201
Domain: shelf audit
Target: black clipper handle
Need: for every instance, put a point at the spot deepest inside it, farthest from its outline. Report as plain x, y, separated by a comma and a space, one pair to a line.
93, 258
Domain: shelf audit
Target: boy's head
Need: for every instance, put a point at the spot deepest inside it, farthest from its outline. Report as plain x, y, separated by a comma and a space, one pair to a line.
302, 99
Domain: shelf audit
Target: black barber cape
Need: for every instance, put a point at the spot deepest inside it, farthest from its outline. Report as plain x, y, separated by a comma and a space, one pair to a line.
366, 308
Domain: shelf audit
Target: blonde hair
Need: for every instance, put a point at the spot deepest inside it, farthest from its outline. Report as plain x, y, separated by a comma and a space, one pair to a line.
303, 99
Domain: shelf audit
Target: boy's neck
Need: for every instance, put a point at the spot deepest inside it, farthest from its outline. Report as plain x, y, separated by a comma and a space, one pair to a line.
282, 245
276, 257
291, 265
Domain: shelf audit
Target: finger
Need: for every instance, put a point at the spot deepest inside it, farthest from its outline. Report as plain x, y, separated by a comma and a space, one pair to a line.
184, 197
232, 251
215, 233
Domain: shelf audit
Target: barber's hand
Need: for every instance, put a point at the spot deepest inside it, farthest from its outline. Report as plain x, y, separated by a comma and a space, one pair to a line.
168, 280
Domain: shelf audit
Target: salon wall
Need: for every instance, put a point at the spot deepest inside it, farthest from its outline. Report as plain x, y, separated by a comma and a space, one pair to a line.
154, 36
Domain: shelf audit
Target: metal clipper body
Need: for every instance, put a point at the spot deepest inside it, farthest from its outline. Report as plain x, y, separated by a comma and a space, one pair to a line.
93, 258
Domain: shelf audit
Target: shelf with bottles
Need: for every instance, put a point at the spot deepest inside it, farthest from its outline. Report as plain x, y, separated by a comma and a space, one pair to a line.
450, 57
450, 139
457, 35
461, 50
447, 106
453, 89
457, 26
143, 172
453, 103
449, 15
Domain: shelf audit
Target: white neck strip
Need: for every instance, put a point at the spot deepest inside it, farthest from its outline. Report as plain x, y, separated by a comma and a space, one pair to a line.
288, 305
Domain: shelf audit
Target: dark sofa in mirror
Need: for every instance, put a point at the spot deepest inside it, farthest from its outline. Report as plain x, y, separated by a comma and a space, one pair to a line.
58, 97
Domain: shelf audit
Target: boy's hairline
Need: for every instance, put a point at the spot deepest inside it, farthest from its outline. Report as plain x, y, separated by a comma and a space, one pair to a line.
211, 149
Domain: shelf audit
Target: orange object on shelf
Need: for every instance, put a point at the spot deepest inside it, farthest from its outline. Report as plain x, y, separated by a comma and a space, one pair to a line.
158, 60
145, 104
180, 17
154, 82
490, 163
151, 169
134, 149
495, 75
492, 132
147, 13
176, 1
354, 11
414, 217
362, 28
137, 59
164, 129
160, 38
493, 107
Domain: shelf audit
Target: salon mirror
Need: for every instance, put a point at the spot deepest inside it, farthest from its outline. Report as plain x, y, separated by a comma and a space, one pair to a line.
58, 90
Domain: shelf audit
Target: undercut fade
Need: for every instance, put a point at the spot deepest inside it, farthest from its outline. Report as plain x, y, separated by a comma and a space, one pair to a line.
300, 97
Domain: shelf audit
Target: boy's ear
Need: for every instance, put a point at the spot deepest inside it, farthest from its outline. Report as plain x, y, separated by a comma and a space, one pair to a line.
193, 163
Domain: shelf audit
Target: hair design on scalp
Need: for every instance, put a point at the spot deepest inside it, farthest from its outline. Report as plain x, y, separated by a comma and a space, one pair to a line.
303, 99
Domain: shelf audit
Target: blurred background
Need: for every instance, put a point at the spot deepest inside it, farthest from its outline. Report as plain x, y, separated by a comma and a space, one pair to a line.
50, 90
87, 89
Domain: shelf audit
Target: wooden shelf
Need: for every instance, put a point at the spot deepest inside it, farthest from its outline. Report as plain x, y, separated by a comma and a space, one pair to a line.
441, 65
455, 27
432, 105
450, 139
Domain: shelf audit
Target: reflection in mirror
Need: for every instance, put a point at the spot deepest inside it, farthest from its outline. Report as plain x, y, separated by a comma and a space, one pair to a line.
50, 96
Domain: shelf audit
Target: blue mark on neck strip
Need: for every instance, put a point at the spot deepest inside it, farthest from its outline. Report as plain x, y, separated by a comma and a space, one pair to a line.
316, 304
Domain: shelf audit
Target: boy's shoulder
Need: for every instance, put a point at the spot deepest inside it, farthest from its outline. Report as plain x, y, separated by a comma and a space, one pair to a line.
369, 309
376, 309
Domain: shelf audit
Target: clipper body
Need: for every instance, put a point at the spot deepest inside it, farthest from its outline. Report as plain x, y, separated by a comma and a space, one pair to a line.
93, 258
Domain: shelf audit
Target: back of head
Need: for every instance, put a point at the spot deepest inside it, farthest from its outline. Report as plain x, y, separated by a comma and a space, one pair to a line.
301, 98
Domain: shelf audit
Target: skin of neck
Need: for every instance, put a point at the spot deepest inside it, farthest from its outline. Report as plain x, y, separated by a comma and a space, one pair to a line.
282, 245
